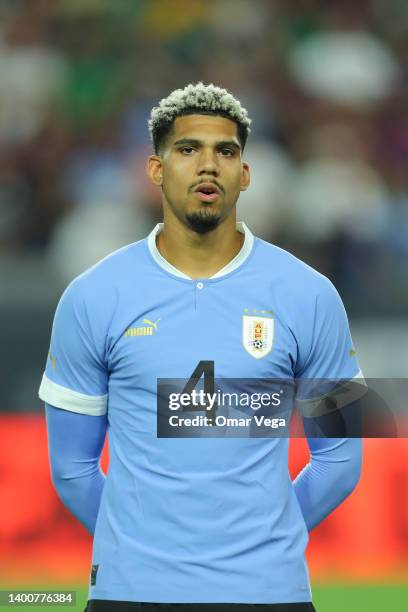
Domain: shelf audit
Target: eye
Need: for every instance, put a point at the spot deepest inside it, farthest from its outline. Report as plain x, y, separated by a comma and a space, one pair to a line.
187, 150
227, 152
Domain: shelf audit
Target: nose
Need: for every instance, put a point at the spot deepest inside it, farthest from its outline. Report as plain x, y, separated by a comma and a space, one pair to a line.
207, 163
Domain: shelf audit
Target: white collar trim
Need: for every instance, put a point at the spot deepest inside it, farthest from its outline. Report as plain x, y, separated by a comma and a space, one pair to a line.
238, 260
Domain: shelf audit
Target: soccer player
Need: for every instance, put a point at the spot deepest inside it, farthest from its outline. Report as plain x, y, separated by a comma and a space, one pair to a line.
204, 523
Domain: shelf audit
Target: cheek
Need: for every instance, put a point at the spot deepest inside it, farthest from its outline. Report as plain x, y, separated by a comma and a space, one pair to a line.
234, 182
175, 177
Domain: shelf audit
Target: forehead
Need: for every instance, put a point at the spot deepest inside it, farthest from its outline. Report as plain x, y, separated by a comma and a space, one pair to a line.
204, 127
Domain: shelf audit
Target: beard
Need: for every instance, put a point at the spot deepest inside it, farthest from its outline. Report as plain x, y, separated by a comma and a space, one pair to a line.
202, 221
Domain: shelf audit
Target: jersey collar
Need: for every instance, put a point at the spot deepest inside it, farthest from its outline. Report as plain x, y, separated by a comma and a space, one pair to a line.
238, 260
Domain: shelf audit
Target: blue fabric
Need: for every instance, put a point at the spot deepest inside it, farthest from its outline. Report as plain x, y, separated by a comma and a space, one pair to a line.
192, 519
75, 443
330, 476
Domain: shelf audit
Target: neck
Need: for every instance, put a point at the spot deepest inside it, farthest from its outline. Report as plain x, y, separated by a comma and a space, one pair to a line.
199, 255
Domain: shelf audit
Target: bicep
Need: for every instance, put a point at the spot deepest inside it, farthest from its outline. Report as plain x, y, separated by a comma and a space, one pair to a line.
76, 374
325, 347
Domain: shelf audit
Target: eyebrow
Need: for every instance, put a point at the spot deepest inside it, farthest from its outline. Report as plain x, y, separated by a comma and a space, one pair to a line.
219, 145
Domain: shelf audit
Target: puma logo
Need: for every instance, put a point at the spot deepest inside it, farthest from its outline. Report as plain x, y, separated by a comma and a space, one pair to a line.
153, 324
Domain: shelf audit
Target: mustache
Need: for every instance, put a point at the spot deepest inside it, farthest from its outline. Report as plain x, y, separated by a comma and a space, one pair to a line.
212, 181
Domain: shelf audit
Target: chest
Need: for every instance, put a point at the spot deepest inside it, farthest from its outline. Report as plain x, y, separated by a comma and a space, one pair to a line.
167, 334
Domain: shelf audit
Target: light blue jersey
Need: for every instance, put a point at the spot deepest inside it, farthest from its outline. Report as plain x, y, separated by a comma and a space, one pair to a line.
194, 519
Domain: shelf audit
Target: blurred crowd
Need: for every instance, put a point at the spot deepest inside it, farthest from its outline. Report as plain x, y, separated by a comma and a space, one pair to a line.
325, 82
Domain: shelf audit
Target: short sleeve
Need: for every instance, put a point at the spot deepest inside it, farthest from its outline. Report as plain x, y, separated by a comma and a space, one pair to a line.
328, 374
76, 376
325, 347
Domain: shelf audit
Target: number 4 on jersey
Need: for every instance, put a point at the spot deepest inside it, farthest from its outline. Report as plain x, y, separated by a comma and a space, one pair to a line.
206, 369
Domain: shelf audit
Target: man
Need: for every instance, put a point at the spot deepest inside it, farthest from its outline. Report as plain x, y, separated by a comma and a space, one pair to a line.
200, 523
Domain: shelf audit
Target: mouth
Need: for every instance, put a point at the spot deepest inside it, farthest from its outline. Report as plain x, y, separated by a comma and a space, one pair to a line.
207, 192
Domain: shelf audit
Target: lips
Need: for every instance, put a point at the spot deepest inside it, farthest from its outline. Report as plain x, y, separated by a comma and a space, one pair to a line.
207, 192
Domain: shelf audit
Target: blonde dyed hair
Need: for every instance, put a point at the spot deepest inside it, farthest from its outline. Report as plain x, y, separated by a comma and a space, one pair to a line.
201, 99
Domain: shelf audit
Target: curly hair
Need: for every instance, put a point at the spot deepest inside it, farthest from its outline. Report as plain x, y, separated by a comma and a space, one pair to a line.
196, 99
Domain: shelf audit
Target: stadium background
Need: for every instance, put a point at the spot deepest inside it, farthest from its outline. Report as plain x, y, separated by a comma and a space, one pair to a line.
326, 84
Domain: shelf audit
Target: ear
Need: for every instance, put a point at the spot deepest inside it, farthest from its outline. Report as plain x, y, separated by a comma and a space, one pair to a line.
154, 169
245, 176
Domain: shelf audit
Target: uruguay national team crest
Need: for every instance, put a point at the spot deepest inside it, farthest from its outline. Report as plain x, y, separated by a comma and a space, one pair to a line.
257, 335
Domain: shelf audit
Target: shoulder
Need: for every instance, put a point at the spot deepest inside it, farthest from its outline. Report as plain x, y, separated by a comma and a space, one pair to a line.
95, 294
292, 275
110, 272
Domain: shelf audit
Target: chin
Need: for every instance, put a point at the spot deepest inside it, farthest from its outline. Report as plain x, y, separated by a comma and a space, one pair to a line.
202, 222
